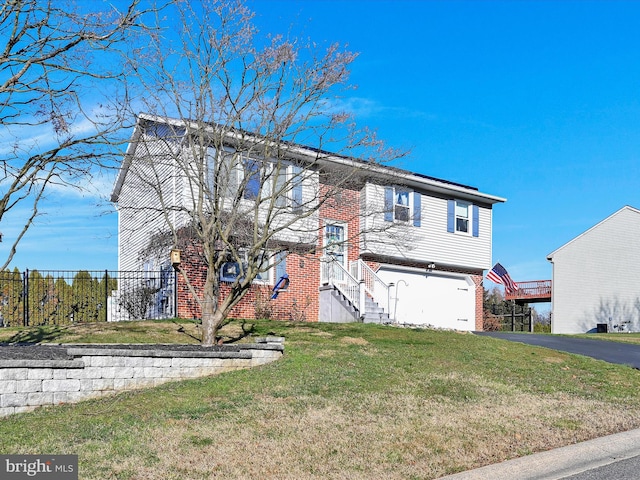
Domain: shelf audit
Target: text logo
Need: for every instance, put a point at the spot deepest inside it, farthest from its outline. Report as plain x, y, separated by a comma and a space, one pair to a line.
45, 467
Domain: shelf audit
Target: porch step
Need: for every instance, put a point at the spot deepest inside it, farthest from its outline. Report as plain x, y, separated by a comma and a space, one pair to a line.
344, 301
343, 310
373, 313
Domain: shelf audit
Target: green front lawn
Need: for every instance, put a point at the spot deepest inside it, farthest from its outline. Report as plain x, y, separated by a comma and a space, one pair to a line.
346, 401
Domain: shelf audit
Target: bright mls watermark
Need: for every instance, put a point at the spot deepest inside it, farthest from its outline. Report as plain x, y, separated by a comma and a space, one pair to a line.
49, 467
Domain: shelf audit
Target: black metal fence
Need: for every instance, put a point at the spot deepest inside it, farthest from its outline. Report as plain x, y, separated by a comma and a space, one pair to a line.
56, 297
513, 317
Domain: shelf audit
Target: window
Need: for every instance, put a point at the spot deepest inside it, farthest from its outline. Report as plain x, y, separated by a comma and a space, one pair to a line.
287, 186
227, 172
232, 269
257, 178
296, 189
223, 172
280, 185
280, 267
402, 205
165, 131
252, 169
149, 274
463, 217
210, 159
401, 211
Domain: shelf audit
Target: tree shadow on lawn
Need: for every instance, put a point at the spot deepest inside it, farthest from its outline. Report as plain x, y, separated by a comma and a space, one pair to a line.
36, 336
49, 334
246, 329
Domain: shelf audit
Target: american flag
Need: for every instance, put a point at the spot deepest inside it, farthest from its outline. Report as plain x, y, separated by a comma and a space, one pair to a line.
498, 274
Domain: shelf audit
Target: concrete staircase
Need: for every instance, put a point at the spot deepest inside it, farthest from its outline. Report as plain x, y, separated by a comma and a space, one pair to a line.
373, 313
337, 308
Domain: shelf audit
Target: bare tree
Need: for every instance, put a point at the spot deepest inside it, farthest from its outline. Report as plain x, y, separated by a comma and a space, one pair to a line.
55, 60
229, 111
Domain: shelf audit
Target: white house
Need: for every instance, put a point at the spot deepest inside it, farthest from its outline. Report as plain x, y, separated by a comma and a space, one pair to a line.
596, 277
403, 247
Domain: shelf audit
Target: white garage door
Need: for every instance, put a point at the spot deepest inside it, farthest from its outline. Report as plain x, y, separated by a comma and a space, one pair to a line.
436, 299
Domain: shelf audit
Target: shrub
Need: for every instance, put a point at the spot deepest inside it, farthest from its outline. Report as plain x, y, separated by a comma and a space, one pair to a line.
137, 301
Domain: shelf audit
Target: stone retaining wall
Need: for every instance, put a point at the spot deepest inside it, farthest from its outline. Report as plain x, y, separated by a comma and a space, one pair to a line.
97, 371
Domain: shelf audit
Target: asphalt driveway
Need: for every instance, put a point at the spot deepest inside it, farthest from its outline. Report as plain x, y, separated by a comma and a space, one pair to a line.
612, 352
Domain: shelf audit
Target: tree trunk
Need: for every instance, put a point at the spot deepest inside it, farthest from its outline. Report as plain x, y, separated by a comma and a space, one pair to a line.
211, 315
209, 329
211, 322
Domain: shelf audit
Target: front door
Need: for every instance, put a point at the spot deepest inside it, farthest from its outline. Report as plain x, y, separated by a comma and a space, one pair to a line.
335, 250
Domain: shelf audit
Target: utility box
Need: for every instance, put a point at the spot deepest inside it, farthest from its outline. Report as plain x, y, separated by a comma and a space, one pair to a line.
602, 328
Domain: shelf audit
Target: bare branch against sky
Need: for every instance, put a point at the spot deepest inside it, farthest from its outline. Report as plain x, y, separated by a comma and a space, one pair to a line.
59, 69
227, 110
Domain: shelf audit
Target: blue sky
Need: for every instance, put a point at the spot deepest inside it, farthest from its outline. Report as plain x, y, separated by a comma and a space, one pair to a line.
538, 102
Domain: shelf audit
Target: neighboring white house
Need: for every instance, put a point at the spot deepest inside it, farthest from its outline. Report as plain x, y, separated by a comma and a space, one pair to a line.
596, 277
420, 255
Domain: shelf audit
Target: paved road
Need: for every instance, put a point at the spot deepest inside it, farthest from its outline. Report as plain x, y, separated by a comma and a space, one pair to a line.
626, 469
612, 352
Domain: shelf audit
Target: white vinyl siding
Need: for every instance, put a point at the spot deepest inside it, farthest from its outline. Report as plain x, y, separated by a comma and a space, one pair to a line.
595, 276
430, 242
139, 215
139, 212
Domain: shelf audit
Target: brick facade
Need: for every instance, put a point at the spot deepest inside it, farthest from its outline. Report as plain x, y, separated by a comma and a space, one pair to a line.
300, 301
477, 280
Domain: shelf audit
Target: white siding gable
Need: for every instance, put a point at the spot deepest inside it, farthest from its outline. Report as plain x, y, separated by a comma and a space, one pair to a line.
142, 205
596, 276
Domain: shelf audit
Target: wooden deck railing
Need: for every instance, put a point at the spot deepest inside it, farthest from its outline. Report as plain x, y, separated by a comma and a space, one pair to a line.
536, 290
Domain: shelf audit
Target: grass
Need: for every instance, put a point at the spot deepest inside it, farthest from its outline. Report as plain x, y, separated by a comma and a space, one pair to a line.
162, 331
614, 337
346, 401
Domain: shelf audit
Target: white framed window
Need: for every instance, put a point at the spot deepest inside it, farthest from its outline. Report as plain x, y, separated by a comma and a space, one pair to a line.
462, 217
280, 178
251, 171
261, 178
402, 205
224, 172
287, 186
166, 131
